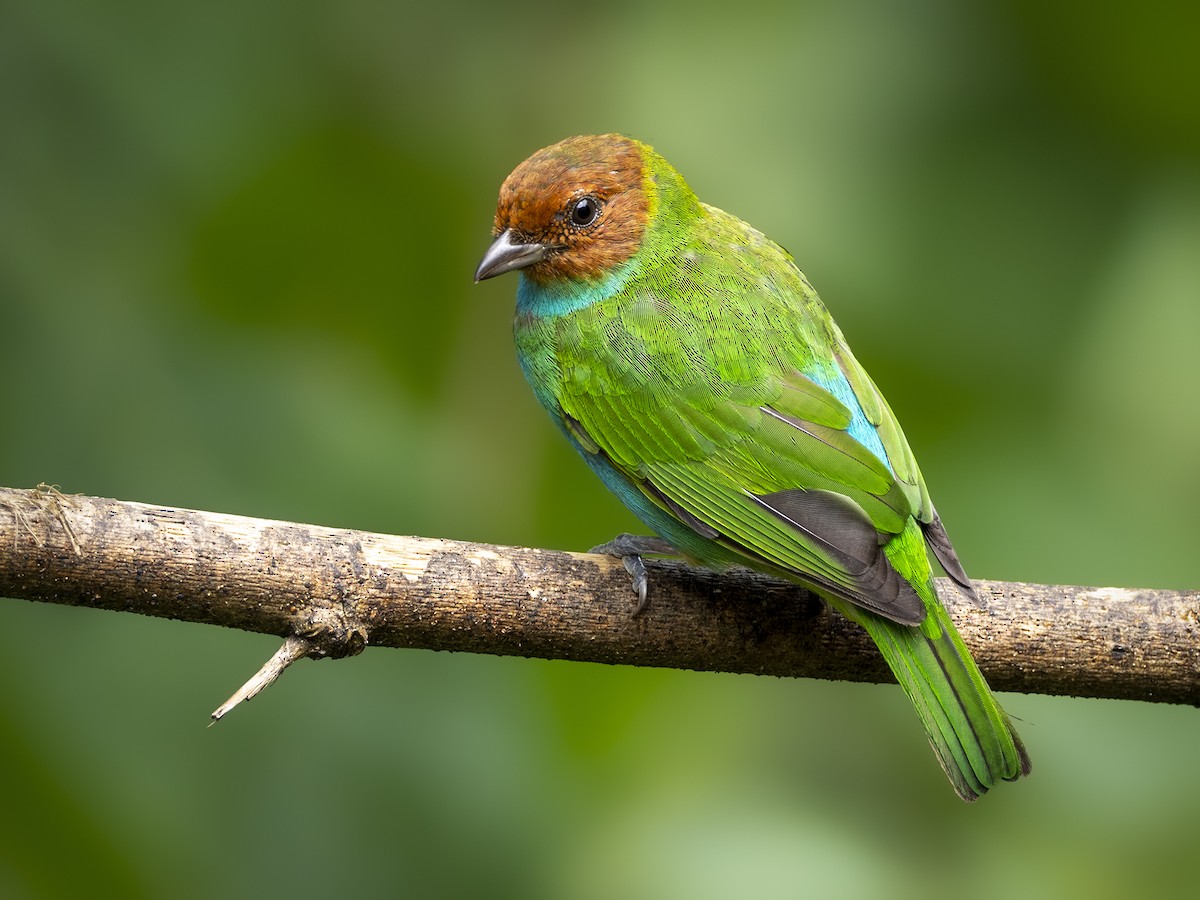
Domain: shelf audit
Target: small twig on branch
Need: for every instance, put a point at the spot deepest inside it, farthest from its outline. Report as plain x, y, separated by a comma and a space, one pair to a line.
293, 648
329, 592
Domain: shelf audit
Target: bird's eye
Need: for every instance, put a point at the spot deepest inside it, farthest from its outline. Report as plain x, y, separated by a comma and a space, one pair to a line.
585, 211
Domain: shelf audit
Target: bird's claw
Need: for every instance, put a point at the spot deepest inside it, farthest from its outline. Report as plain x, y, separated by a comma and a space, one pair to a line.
641, 582
629, 549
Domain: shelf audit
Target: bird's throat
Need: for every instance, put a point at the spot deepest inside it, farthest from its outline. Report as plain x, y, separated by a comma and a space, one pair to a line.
550, 298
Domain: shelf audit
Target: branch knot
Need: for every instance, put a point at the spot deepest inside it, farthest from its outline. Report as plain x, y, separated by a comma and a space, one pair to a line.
332, 633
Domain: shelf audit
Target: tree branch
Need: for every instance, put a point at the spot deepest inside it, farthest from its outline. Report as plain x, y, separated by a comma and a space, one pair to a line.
330, 592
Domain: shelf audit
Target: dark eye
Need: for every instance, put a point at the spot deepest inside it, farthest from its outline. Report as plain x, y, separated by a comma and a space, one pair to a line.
584, 212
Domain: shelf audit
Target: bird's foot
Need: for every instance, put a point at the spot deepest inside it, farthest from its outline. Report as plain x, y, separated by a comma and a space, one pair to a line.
629, 548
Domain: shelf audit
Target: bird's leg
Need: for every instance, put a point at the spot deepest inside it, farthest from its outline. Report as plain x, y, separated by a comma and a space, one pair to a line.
629, 548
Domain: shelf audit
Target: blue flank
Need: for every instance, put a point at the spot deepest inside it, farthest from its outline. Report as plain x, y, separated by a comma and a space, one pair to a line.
860, 429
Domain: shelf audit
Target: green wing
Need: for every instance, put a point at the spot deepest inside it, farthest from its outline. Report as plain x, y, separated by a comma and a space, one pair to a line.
703, 392
788, 492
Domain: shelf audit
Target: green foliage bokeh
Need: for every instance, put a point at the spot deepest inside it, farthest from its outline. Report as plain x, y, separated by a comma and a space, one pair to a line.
236, 247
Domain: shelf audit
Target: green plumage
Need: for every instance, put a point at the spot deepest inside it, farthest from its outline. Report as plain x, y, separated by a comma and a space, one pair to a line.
704, 381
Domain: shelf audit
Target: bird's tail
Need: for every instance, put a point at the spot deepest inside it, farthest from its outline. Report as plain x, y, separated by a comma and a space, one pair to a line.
972, 736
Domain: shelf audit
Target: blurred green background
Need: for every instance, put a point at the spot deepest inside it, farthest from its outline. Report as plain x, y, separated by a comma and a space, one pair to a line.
236, 247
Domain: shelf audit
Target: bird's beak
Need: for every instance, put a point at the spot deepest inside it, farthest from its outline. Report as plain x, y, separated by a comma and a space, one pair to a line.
505, 256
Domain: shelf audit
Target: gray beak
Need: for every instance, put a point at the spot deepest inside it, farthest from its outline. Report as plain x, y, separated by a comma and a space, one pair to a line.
505, 256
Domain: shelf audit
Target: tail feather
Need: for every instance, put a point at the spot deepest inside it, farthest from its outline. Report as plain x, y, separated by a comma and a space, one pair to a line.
971, 734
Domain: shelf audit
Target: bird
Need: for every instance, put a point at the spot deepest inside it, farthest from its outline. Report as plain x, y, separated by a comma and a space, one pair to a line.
692, 365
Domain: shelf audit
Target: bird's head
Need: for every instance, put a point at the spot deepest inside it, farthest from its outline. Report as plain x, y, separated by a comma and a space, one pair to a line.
572, 210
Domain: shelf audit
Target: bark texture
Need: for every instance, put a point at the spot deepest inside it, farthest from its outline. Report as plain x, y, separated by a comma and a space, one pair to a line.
341, 590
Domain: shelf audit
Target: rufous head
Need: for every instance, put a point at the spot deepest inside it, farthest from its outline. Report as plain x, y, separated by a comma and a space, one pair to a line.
572, 210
